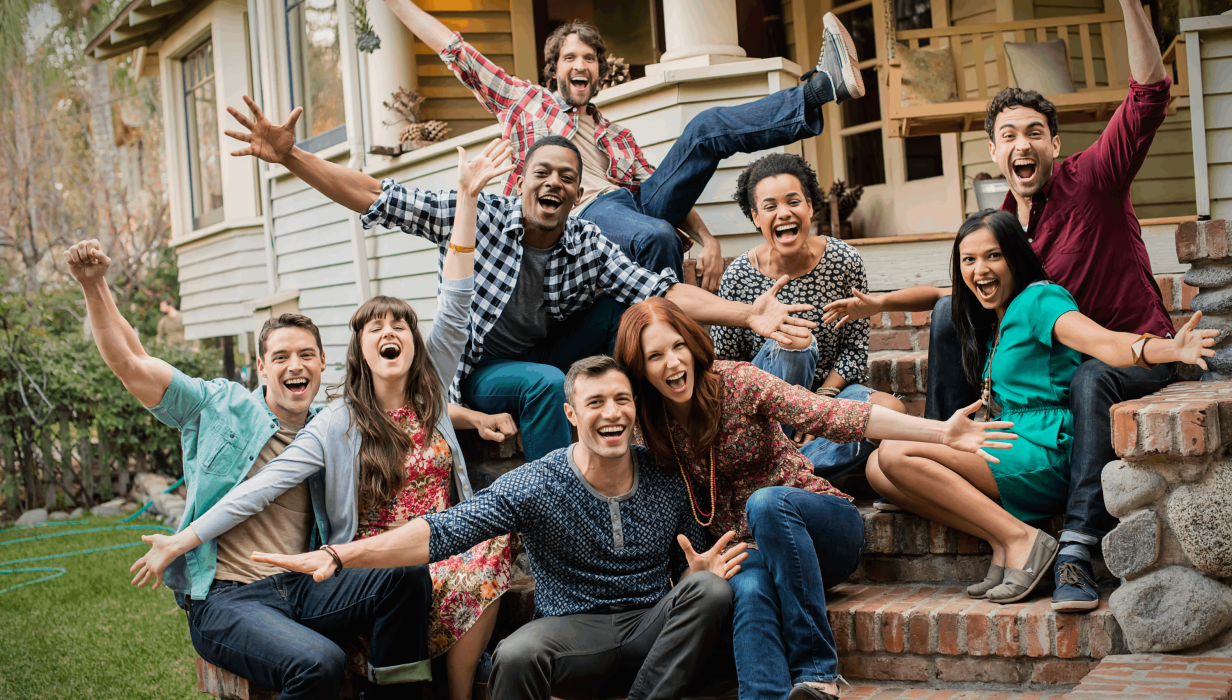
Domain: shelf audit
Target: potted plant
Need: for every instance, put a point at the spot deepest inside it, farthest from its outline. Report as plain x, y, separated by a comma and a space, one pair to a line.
838, 208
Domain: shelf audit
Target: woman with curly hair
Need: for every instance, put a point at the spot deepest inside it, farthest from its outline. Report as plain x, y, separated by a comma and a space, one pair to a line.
779, 193
718, 423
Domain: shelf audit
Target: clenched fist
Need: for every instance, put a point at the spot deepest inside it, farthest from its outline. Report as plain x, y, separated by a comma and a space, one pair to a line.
87, 261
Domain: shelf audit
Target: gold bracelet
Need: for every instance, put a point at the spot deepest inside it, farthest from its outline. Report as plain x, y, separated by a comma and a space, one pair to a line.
461, 248
1137, 348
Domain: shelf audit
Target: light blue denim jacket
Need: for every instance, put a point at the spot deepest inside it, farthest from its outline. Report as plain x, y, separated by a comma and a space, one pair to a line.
329, 445
223, 427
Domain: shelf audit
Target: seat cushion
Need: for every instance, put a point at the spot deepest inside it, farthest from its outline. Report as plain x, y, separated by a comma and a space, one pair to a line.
928, 76
1040, 66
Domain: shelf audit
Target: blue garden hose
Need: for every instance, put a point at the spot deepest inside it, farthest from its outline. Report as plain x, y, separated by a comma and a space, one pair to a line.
56, 571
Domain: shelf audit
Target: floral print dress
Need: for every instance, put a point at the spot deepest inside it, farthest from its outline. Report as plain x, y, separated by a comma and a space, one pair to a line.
751, 451
463, 586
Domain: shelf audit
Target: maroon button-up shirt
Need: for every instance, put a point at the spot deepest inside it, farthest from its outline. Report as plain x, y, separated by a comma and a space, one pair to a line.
1083, 226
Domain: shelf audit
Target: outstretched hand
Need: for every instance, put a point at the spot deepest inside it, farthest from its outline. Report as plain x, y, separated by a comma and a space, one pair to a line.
1193, 344
771, 318
715, 560
266, 140
87, 261
853, 308
151, 566
966, 435
318, 563
493, 162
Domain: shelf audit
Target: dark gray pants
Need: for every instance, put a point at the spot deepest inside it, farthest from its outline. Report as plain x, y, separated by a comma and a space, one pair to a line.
647, 653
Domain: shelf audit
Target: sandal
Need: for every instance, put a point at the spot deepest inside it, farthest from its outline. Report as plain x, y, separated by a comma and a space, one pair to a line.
996, 574
1019, 583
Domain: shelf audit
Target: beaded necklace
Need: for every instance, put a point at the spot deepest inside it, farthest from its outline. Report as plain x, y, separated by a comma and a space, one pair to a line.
689, 482
986, 411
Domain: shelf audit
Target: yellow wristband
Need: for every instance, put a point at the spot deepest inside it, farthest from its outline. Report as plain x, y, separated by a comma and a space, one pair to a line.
462, 248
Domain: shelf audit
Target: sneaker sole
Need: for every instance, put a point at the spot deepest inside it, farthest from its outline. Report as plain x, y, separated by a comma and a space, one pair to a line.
1071, 605
855, 81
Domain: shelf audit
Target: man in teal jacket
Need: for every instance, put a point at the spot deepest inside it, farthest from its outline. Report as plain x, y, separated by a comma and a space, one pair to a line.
273, 627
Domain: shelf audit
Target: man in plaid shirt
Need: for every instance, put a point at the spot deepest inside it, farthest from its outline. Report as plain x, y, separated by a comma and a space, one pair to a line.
636, 205
549, 289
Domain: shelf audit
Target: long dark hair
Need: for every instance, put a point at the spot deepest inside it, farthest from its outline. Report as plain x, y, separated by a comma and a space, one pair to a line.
384, 445
703, 423
974, 323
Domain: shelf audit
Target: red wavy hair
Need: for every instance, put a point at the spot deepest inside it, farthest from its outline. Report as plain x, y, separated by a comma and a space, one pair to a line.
703, 422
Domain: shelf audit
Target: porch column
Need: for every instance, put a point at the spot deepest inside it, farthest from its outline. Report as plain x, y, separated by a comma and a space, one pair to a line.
700, 28
390, 67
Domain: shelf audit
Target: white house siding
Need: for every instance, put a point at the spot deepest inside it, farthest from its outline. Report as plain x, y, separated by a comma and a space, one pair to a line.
1217, 108
217, 275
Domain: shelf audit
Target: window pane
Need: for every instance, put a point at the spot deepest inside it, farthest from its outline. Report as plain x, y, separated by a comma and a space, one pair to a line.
859, 23
316, 71
865, 159
913, 14
923, 156
866, 109
201, 110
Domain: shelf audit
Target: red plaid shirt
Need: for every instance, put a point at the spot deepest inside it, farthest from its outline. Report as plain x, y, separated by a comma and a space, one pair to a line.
528, 112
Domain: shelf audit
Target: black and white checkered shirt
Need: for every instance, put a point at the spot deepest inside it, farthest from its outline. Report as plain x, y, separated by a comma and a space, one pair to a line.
584, 266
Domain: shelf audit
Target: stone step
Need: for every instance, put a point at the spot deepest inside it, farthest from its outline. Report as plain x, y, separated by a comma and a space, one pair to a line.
1157, 677
935, 633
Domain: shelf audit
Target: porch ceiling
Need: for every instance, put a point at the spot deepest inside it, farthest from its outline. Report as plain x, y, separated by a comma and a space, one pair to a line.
138, 24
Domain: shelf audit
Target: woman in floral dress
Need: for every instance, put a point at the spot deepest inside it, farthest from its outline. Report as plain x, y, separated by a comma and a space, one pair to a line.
718, 423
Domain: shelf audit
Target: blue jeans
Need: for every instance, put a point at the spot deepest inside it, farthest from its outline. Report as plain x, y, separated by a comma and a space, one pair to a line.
1094, 390
831, 460
281, 632
530, 386
644, 224
806, 543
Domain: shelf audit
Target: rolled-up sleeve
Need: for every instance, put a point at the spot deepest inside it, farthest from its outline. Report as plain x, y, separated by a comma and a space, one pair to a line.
496, 89
184, 399
424, 213
1113, 161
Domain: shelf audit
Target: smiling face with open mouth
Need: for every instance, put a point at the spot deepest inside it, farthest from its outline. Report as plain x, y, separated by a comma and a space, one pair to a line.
669, 363
1024, 149
550, 186
603, 412
782, 212
292, 369
985, 270
577, 71
388, 346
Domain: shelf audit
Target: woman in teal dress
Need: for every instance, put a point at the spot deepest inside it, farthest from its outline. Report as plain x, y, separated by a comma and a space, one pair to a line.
1035, 337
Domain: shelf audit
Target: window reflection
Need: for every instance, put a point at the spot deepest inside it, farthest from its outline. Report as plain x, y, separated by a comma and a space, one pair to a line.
316, 71
201, 109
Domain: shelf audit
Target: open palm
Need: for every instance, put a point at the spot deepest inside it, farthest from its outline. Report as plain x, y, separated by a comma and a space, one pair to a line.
493, 162
266, 140
1192, 343
771, 318
966, 435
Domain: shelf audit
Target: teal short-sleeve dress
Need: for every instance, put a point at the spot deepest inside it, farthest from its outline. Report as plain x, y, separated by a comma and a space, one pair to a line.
1030, 376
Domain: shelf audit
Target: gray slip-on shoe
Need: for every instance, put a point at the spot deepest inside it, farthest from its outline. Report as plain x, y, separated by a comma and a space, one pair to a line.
996, 574
1019, 583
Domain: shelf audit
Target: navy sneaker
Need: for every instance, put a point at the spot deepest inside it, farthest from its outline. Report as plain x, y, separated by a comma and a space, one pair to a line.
1075, 586
838, 61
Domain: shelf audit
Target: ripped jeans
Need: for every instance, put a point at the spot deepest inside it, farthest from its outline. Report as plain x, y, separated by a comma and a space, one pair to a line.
831, 460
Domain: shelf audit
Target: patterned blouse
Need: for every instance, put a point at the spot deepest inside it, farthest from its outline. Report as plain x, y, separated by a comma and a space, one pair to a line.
840, 269
751, 451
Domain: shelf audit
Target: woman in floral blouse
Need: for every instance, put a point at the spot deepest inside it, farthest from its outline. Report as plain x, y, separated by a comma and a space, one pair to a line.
779, 193
718, 423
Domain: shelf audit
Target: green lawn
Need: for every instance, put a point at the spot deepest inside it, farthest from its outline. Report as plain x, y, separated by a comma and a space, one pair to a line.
89, 634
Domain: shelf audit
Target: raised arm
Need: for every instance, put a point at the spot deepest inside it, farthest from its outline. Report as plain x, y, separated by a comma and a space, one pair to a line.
145, 377
862, 305
423, 25
1146, 64
492, 163
275, 143
1189, 345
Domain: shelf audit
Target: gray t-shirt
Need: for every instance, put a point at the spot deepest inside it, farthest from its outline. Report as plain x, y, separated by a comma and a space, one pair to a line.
524, 320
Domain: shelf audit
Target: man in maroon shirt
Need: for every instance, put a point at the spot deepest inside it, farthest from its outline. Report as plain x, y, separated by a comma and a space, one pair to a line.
1081, 223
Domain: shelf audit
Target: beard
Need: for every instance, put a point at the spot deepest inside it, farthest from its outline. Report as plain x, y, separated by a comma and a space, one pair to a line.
566, 91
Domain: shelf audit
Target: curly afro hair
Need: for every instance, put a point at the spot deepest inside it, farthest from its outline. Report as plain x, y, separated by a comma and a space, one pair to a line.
771, 166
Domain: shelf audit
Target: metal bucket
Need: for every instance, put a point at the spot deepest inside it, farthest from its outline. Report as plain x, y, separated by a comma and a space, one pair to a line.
989, 194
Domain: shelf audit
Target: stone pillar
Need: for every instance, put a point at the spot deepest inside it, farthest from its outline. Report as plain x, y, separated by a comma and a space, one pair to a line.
1207, 246
1172, 491
390, 67
700, 28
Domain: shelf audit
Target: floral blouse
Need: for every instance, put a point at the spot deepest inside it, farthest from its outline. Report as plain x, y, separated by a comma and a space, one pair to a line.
840, 268
751, 451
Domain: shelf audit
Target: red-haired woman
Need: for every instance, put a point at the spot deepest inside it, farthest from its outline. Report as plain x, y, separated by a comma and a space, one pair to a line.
718, 423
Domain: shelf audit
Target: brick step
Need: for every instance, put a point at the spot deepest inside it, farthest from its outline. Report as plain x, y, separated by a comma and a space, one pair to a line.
932, 633
942, 692
1157, 677
905, 548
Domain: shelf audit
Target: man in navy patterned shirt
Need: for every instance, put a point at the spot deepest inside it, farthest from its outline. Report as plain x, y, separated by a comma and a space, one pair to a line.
549, 288
601, 524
